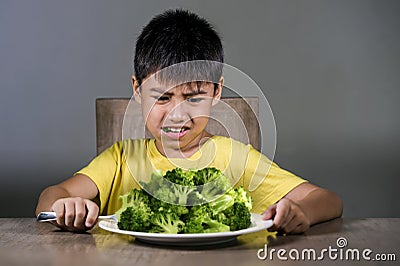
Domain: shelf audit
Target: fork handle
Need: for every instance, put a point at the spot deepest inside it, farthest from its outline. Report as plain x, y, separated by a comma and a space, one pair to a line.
51, 216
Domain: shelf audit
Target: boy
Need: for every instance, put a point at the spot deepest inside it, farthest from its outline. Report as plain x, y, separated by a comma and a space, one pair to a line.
176, 115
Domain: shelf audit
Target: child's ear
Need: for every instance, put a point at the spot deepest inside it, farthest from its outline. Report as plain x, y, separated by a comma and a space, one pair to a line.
136, 89
218, 91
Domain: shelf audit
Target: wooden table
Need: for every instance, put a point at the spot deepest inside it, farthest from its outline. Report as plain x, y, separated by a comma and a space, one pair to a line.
23, 241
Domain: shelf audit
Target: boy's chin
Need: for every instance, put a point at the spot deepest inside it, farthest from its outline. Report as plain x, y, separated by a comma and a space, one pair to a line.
171, 144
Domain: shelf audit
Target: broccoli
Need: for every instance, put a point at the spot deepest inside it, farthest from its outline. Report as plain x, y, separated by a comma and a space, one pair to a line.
182, 193
213, 184
132, 199
166, 222
199, 221
174, 187
237, 216
230, 211
154, 184
222, 203
192, 201
206, 175
182, 184
162, 206
135, 212
178, 176
166, 194
241, 195
135, 218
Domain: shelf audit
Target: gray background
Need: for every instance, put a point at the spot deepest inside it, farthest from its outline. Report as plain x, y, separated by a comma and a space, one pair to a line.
330, 70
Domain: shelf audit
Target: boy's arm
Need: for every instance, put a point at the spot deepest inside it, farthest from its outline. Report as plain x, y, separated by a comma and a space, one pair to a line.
302, 207
72, 202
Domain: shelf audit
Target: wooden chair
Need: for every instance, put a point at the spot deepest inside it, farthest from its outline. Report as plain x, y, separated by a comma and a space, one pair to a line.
234, 117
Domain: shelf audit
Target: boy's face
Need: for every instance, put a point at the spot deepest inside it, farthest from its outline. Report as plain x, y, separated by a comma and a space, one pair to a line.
177, 116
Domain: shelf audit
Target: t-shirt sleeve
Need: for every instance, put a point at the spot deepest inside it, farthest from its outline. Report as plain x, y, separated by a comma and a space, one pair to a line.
266, 182
102, 171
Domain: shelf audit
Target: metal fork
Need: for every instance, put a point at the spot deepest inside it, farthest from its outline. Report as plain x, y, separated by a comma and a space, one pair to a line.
51, 216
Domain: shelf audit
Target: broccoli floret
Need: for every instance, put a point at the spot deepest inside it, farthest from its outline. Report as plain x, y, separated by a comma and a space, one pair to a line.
134, 198
156, 182
206, 175
183, 184
213, 184
222, 203
193, 201
135, 218
174, 193
180, 177
135, 212
162, 206
166, 194
175, 187
237, 217
166, 222
241, 195
200, 221
182, 193
205, 224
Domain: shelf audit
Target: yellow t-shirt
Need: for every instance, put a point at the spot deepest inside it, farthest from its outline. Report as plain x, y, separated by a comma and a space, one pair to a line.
119, 169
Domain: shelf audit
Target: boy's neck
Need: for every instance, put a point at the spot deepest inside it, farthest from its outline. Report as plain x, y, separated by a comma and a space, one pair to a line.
185, 152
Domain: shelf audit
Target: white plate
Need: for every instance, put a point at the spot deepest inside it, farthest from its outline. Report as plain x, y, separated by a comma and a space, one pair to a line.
257, 224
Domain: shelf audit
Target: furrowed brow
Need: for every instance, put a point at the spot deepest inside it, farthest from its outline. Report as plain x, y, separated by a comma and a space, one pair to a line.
193, 93
161, 91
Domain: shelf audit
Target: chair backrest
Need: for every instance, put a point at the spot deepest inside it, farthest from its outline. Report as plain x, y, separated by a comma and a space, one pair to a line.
233, 117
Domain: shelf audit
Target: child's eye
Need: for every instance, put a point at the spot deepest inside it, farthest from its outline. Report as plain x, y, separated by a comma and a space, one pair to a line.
162, 98
194, 100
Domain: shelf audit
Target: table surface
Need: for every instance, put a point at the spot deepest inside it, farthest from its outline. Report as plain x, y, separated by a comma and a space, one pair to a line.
23, 241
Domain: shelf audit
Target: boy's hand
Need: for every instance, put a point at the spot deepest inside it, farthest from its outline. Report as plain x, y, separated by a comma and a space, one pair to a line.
75, 214
288, 217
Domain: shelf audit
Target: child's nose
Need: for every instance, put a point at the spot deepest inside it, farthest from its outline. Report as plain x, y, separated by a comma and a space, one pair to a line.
178, 113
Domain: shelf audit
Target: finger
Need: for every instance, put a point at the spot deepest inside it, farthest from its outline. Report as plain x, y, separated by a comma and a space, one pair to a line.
301, 228
92, 214
69, 213
303, 224
269, 213
80, 214
290, 218
282, 210
290, 226
59, 209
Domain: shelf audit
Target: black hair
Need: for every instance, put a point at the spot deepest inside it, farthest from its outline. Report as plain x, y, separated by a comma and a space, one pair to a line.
177, 36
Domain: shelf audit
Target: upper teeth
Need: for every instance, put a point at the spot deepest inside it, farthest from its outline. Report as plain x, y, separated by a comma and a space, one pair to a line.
173, 130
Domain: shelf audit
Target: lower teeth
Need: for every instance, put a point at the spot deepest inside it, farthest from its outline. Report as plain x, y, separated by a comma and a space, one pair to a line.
173, 131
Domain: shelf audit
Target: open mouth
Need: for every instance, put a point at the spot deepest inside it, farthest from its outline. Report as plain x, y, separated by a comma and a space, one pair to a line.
174, 132
174, 129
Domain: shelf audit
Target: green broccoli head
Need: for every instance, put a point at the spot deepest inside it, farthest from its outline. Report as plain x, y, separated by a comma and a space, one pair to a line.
241, 195
193, 201
199, 221
162, 206
215, 189
131, 199
174, 187
180, 177
167, 223
154, 184
166, 194
237, 216
206, 175
222, 203
135, 218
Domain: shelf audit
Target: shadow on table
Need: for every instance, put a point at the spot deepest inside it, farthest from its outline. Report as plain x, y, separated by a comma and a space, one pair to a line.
325, 230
